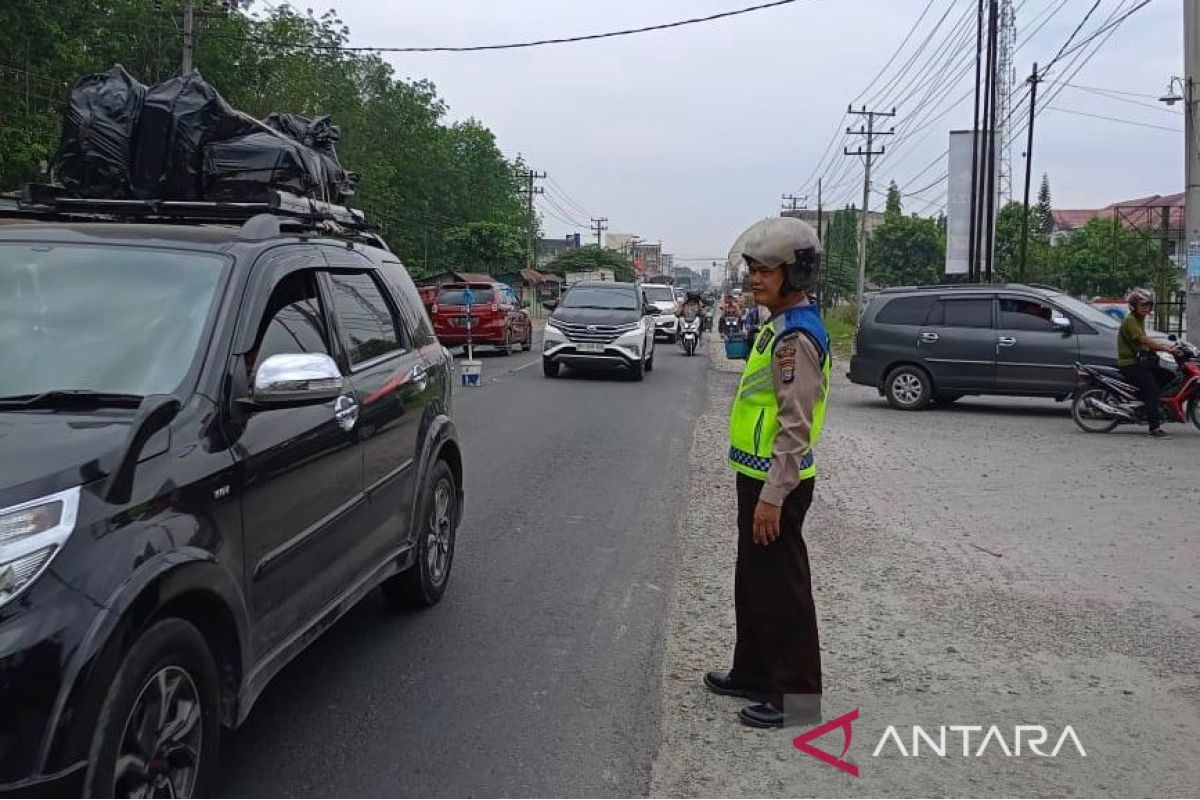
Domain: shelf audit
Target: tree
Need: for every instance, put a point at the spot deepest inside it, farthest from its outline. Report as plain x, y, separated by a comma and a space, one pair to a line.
493, 247
840, 258
1008, 246
894, 207
591, 258
905, 251
1104, 258
1044, 215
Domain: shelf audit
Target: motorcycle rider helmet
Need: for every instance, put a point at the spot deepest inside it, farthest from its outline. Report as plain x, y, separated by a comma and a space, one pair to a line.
783, 242
1139, 296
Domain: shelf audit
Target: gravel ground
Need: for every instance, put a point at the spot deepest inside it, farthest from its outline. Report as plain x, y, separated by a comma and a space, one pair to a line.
985, 564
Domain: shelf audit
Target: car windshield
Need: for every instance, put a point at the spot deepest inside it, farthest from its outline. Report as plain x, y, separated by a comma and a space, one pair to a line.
659, 294
615, 298
108, 319
480, 296
1089, 314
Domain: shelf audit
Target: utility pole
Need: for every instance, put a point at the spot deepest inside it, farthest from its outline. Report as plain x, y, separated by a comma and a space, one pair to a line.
868, 153
820, 213
973, 256
599, 226
794, 203
189, 38
530, 190
993, 85
1033, 84
1191, 83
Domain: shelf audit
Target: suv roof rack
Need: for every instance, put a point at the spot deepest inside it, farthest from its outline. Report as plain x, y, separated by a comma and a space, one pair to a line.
966, 287
259, 220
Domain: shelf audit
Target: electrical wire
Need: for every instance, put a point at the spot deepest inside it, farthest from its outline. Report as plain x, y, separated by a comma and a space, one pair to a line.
1113, 119
537, 42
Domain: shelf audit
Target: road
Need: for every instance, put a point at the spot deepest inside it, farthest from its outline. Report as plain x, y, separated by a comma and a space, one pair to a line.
539, 673
983, 564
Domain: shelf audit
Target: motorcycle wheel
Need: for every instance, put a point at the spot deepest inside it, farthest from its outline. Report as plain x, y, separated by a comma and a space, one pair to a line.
1194, 410
1088, 420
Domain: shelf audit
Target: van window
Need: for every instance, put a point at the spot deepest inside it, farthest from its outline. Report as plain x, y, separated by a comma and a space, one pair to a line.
905, 311
1025, 314
967, 312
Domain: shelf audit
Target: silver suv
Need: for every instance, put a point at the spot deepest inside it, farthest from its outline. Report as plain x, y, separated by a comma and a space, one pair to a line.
935, 344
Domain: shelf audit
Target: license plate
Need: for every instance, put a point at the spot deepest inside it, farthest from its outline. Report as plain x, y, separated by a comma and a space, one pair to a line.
464, 321
589, 347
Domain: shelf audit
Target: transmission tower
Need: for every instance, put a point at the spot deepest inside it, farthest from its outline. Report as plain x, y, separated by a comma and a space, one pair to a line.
1007, 77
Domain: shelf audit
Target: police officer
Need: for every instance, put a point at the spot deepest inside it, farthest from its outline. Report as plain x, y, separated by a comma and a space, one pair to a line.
776, 420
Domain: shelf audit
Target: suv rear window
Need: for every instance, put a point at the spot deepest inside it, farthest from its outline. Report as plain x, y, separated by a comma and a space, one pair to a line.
454, 297
905, 311
967, 312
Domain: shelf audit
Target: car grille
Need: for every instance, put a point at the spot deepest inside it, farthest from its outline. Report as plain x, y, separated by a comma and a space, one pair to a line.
603, 334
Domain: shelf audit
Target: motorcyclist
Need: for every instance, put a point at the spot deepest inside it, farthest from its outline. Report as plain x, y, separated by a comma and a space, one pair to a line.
690, 307
1137, 357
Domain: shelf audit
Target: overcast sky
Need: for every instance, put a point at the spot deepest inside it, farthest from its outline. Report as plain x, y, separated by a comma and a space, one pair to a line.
688, 135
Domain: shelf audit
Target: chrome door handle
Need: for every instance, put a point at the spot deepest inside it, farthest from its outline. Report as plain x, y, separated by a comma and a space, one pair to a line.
929, 337
345, 412
1006, 341
419, 376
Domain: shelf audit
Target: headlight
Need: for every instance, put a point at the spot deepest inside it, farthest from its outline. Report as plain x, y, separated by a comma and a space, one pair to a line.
30, 534
552, 324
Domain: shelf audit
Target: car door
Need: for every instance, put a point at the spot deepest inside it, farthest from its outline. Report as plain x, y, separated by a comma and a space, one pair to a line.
1032, 356
957, 343
300, 469
392, 388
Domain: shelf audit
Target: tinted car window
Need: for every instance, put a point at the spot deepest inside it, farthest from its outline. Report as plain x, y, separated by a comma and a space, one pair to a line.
1025, 314
128, 320
412, 308
292, 322
965, 313
905, 311
455, 297
622, 299
364, 316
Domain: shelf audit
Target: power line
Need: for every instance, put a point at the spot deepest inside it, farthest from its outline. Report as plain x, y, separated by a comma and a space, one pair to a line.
1113, 96
537, 42
566, 197
1113, 119
1071, 38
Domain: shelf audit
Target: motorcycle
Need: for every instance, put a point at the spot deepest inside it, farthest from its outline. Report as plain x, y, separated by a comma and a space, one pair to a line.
689, 334
731, 323
1104, 399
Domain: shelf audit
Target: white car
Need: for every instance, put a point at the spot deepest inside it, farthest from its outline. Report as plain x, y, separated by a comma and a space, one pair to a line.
662, 297
599, 325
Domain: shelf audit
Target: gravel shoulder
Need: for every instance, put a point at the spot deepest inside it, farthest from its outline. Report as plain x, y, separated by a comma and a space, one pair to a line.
986, 564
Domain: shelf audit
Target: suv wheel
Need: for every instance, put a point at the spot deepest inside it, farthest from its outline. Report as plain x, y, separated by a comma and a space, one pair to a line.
650, 363
908, 388
158, 730
424, 583
508, 346
549, 368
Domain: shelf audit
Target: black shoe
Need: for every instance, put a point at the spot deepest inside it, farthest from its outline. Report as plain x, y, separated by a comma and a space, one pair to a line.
762, 715
718, 682
1159, 433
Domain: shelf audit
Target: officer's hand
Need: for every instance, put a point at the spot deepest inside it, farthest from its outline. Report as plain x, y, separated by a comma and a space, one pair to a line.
766, 523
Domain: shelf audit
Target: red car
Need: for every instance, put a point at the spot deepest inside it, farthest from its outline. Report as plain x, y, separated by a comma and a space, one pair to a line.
497, 317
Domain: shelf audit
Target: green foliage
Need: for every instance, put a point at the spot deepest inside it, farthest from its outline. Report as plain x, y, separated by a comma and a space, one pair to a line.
894, 207
590, 258
1008, 247
491, 247
1104, 258
1043, 214
422, 179
906, 251
840, 258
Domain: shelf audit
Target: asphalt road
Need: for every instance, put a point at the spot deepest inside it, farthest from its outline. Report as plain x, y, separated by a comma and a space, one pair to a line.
539, 673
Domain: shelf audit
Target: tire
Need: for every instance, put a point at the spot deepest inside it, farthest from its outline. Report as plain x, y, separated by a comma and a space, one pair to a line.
650, 363
507, 347
549, 368
423, 584
1194, 410
171, 654
908, 388
1085, 418
636, 373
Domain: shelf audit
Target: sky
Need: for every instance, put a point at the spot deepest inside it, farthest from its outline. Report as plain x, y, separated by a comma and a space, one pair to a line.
689, 135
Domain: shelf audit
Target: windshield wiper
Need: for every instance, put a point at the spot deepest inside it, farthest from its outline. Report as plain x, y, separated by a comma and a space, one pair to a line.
71, 398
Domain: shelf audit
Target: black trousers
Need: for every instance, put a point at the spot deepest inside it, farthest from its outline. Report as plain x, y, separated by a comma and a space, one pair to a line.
1149, 381
778, 651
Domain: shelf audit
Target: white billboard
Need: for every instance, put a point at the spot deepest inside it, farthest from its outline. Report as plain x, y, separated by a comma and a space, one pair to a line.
958, 204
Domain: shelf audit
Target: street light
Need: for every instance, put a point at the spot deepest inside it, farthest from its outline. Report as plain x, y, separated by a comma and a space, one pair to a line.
1173, 95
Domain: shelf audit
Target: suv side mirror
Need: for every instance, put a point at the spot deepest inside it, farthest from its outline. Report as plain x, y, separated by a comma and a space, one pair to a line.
296, 379
549, 305
1061, 323
650, 310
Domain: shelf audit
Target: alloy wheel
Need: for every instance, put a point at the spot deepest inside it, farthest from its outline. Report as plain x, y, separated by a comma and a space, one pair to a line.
159, 755
440, 532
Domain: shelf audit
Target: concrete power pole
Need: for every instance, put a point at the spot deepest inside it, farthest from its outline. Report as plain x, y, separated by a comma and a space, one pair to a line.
1191, 82
530, 190
599, 226
794, 203
868, 153
189, 38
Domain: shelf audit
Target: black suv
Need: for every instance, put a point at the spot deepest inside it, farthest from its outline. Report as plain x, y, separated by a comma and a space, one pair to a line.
214, 440
937, 343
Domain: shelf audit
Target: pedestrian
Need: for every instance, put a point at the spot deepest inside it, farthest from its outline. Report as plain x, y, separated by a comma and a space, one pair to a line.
776, 420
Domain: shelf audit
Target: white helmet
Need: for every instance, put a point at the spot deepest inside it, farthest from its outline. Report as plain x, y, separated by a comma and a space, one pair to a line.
782, 242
